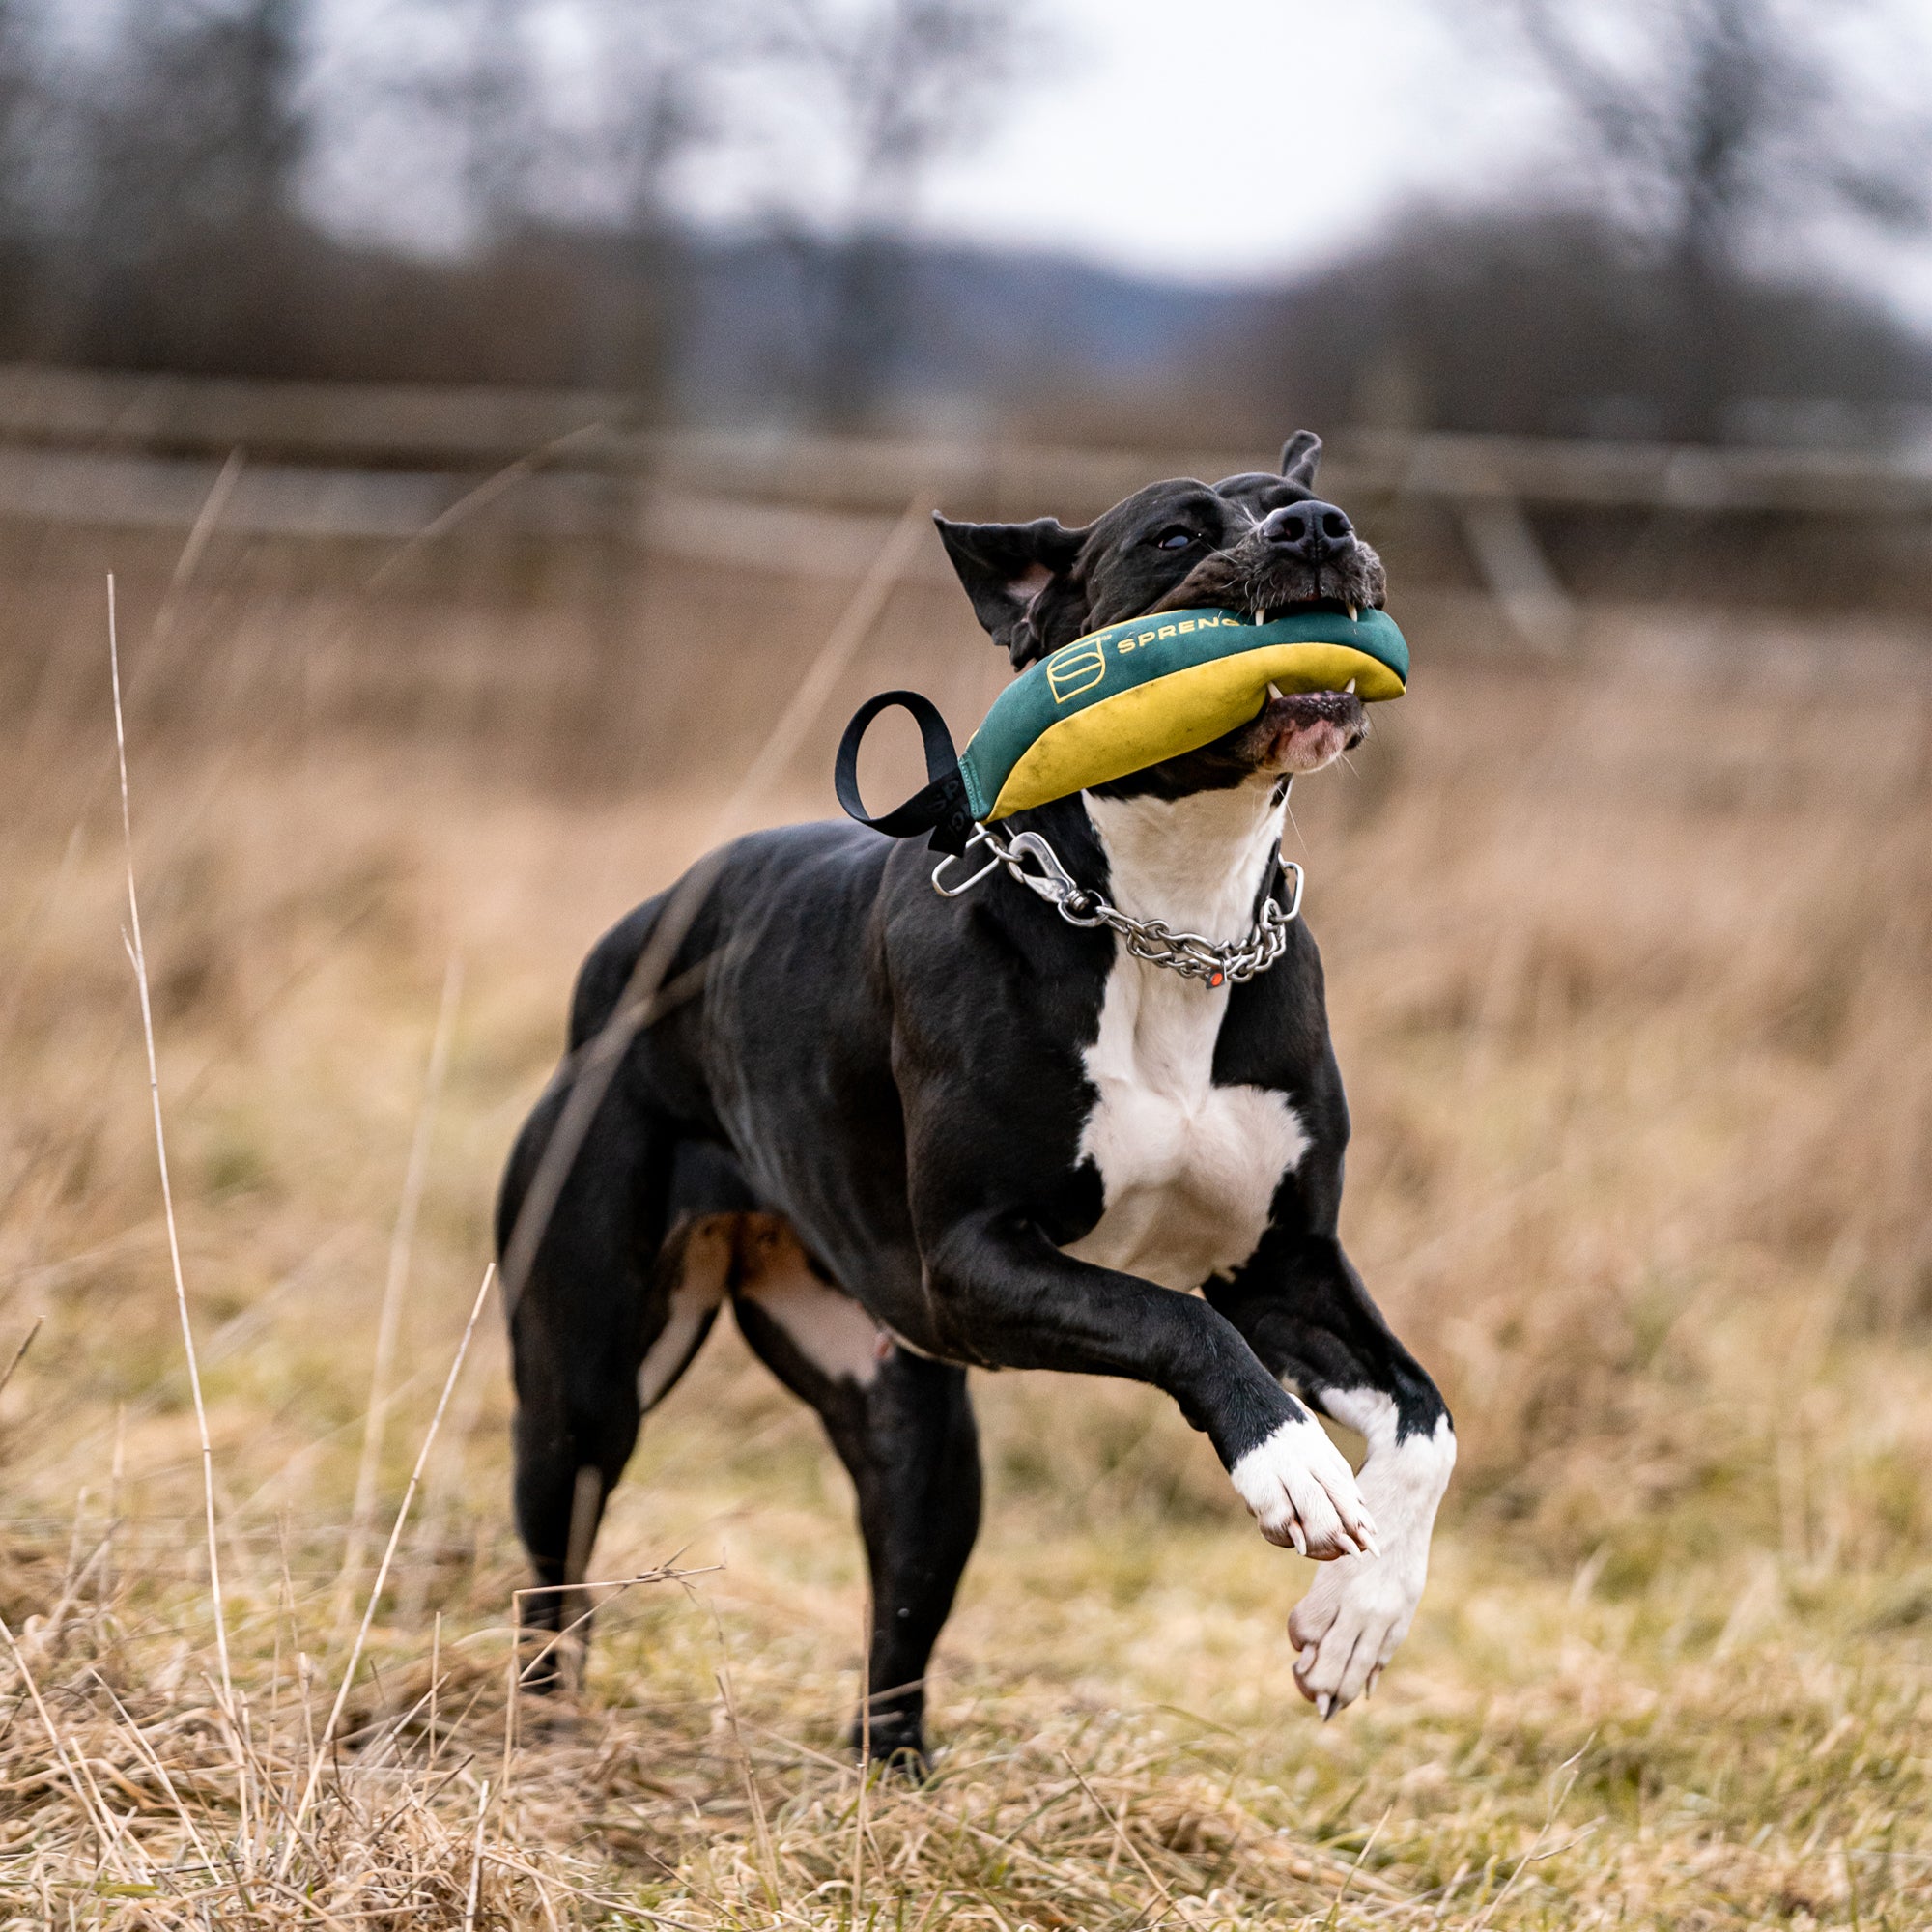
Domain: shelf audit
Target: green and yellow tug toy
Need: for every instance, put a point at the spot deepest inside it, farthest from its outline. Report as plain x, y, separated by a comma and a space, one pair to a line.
1118, 701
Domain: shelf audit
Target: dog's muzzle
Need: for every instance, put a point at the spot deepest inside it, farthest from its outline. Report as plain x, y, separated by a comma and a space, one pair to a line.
1305, 730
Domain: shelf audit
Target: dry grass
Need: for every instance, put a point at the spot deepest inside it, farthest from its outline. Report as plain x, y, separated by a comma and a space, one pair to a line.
1628, 965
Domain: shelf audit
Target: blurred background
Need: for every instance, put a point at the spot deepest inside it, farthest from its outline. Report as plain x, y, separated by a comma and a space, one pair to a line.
1690, 222
490, 409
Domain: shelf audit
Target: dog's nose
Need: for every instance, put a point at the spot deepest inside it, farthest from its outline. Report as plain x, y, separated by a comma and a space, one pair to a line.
1309, 532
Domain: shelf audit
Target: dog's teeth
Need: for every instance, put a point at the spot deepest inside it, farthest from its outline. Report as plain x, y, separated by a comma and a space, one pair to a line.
1274, 690
1261, 616
1347, 689
1353, 613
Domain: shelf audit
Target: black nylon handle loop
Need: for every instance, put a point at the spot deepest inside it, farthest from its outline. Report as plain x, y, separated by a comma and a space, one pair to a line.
940, 806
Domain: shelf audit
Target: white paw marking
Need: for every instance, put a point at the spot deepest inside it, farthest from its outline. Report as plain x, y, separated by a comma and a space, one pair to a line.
1188, 1169
1360, 1608
1303, 1493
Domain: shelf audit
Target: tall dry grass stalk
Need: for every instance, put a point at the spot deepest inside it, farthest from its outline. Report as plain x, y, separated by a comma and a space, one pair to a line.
751, 797
395, 1280
138, 958
327, 1736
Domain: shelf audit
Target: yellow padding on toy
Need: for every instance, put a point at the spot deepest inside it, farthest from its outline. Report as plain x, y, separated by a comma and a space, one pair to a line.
1178, 713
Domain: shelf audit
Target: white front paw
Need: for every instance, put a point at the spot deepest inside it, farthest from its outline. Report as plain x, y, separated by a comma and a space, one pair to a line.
1348, 1626
1303, 1493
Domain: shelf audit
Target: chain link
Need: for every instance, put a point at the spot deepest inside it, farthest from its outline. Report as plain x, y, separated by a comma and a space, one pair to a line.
1153, 940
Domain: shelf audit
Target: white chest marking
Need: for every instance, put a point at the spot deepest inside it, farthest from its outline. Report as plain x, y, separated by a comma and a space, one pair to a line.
1188, 1170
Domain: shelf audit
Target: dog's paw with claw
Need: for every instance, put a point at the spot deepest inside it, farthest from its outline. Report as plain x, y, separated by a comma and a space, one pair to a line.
1350, 1625
1303, 1493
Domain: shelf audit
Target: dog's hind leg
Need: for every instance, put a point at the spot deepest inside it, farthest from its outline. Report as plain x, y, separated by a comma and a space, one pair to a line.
609, 1315
902, 1424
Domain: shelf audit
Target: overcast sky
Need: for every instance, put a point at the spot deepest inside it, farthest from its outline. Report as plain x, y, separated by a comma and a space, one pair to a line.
1230, 139
1243, 139
1221, 139
1238, 137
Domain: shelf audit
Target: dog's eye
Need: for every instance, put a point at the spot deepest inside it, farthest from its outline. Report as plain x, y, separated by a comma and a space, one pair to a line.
1175, 539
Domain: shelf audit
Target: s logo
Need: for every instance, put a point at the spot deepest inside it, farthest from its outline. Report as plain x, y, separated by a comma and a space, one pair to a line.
1078, 668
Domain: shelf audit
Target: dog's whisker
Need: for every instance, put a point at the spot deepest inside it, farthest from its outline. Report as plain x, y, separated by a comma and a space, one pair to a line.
1299, 838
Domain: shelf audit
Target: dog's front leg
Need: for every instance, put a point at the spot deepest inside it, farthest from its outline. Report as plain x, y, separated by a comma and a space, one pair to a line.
1304, 1310
1003, 1295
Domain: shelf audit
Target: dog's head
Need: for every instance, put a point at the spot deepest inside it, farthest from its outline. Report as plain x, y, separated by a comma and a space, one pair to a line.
1253, 543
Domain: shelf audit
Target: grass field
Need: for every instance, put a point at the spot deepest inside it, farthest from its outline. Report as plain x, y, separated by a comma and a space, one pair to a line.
1629, 960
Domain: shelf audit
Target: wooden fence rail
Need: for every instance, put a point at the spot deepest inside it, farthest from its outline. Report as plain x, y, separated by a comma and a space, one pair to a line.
349, 461
462, 432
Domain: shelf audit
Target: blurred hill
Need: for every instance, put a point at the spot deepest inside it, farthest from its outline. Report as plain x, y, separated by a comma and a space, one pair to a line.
1526, 326
992, 334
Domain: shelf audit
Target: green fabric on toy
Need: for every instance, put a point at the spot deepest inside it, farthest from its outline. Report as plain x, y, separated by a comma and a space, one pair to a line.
1120, 699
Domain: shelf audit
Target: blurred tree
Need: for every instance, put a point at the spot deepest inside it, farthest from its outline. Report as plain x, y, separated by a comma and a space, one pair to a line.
1550, 323
194, 236
191, 231
900, 84
566, 185
652, 111
1679, 284
499, 102
28, 155
1714, 128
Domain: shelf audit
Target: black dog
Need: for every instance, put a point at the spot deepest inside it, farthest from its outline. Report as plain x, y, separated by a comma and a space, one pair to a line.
905, 1134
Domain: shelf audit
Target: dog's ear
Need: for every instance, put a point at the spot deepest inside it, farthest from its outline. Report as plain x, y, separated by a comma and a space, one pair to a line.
1020, 579
1261, 492
1300, 456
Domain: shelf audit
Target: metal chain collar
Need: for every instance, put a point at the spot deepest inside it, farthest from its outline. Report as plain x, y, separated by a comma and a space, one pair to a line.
1153, 940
